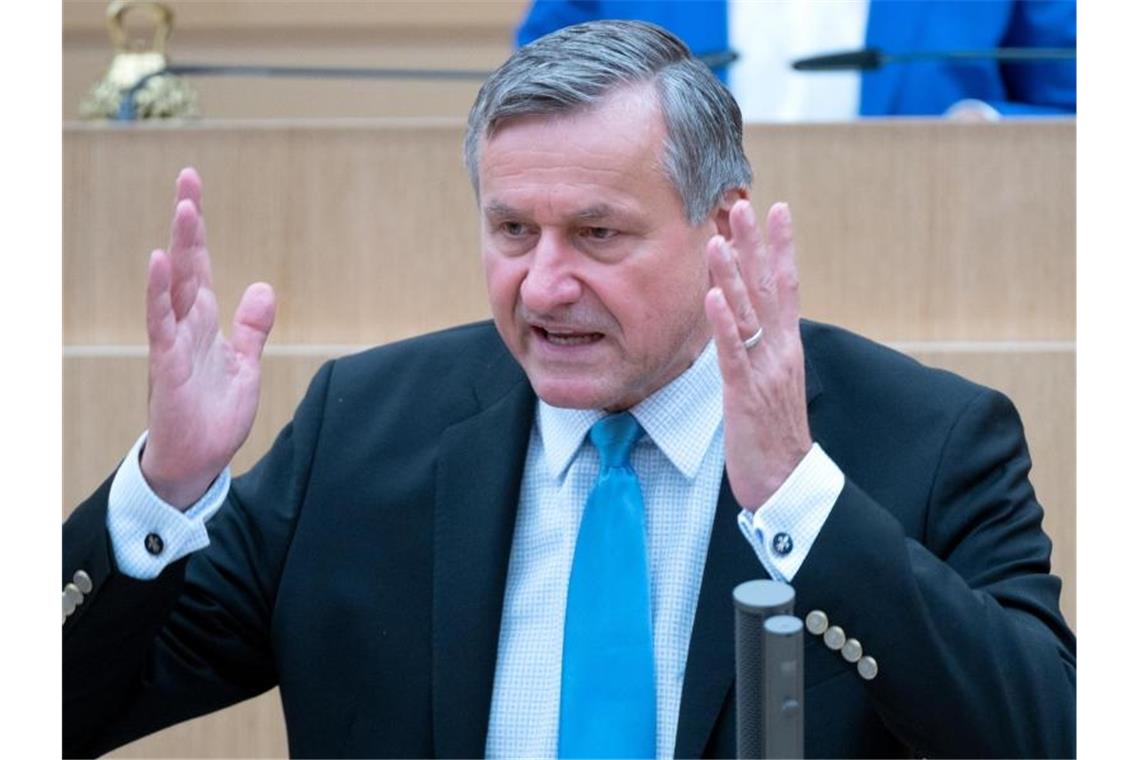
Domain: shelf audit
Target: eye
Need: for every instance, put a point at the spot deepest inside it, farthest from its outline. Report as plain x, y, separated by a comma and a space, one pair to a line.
598, 233
513, 229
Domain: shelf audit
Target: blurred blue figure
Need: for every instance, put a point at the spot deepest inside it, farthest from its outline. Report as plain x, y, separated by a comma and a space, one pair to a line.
789, 30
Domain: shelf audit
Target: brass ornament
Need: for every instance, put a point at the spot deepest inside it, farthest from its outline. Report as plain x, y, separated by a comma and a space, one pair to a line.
163, 96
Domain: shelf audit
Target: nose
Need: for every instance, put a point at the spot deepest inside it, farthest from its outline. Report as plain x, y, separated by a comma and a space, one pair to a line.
550, 282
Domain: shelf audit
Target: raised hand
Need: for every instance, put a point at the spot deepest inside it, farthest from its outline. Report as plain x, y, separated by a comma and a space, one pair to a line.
204, 389
756, 286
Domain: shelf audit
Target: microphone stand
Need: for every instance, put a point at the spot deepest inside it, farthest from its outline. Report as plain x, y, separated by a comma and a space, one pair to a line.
870, 59
129, 112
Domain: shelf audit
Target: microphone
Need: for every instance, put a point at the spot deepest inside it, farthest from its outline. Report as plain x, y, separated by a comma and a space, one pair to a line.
873, 58
767, 666
717, 58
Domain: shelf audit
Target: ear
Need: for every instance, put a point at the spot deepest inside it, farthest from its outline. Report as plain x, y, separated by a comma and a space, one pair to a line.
720, 214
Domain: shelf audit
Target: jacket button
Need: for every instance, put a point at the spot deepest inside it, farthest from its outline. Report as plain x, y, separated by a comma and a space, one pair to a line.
852, 650
83, 581
867, 667
834, 637
72, 592
68, 604
153, 543
816, 622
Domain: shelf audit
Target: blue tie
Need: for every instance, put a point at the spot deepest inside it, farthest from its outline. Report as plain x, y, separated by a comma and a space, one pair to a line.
609, 698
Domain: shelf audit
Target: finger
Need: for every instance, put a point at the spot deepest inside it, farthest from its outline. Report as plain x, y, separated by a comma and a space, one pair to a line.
726, 276
731, 354
188, 186
755, 263
159, 311
747, 239
783, 263
202, 255
253, 320
184, 270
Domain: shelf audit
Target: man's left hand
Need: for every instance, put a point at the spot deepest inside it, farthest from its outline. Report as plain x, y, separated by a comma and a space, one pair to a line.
756, 285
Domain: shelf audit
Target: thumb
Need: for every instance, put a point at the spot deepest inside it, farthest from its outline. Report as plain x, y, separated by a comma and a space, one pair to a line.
253, 320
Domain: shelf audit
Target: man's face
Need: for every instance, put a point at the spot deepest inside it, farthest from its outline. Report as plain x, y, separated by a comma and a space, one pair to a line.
596, 279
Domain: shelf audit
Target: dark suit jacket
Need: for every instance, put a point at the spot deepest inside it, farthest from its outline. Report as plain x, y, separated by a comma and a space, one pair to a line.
361, 566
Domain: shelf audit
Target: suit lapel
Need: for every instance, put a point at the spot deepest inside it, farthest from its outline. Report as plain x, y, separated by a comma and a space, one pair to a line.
480, 468
711, 665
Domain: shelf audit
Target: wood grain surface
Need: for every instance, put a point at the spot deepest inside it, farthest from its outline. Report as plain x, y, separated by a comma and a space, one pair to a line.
905, 230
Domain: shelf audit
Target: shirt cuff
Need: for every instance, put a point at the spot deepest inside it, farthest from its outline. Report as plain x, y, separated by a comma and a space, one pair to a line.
147, 534
784, 528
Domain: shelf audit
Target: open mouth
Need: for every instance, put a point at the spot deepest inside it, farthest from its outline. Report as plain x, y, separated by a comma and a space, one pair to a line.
567, 337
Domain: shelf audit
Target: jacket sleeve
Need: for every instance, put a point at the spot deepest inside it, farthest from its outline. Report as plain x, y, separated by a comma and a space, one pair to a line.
974, 657
142, 655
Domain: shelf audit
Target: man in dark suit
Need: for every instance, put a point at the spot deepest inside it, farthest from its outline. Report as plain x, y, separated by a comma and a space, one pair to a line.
399, 562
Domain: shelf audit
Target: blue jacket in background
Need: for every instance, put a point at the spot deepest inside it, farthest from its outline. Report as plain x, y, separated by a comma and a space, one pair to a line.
913, 89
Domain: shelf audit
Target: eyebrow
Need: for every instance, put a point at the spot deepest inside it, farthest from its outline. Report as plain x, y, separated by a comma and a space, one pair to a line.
597, 212
498, 210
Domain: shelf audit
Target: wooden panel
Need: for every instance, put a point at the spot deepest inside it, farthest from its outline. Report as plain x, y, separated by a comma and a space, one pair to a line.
906, 231
365, 235
913, 231
255, 728
303, 16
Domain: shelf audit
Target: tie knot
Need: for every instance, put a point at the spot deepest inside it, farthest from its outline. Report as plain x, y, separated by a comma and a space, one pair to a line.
614, 436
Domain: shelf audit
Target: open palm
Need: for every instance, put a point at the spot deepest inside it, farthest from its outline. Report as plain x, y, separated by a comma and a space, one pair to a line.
204, 389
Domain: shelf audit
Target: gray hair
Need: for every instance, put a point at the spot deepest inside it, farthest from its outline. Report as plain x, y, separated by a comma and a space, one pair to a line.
578, 66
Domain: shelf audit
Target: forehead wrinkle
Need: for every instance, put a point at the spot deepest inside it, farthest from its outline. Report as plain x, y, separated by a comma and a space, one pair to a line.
594, 157
597, 212
528, 177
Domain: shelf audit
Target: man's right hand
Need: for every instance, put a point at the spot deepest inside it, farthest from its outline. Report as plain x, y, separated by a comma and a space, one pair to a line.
204, 389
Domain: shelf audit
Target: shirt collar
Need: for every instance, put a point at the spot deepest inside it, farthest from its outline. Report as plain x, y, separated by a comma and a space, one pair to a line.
681, 419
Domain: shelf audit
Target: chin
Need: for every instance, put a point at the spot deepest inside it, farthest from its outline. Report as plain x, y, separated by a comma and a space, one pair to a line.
571, 394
